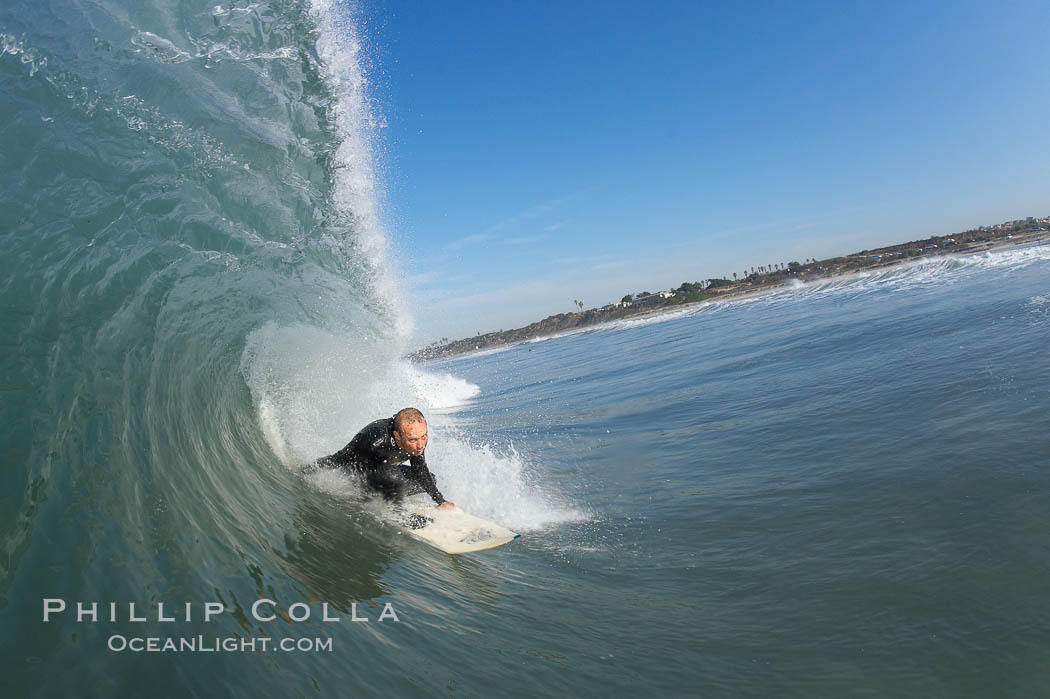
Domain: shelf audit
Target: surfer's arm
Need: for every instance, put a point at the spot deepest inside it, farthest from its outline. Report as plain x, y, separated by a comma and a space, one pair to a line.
422, 475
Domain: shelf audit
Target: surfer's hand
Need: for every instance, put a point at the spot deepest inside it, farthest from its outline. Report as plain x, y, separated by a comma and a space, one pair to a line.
447, 505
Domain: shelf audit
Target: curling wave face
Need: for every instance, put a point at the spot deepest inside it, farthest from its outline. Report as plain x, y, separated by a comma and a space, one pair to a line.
187, 188
170, 193
198, 299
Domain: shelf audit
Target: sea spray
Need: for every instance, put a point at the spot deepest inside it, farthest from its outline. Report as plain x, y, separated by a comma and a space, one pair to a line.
315, 390
316, 385
357, 191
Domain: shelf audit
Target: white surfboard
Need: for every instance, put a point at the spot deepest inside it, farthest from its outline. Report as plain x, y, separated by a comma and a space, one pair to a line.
455, 531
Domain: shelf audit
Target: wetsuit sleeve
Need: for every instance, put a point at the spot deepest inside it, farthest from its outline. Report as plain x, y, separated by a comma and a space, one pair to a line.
422, 475
361, 452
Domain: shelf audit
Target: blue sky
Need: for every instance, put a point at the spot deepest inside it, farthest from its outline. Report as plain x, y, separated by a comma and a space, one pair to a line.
542, 152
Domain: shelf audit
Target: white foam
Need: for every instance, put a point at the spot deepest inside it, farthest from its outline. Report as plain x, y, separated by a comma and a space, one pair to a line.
443, 392
484, 352
1038, 301
656, 318
919, 273
494, 485
314, 390
271, 428
1013, 257
335, 482
310, 388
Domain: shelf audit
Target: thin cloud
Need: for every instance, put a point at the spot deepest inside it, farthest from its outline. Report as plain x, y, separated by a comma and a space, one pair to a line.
470, 240
524, 240
529, 214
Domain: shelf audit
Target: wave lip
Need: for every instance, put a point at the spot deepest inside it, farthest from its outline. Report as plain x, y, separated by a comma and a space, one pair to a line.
355, 117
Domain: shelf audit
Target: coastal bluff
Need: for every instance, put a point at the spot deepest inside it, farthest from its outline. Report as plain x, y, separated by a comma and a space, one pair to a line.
1029, 231
551, 325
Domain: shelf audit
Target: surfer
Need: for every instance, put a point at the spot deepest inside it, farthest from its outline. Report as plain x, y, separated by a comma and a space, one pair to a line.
378, 452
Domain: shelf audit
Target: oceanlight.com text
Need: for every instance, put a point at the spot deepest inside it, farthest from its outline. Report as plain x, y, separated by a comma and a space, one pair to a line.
215, 644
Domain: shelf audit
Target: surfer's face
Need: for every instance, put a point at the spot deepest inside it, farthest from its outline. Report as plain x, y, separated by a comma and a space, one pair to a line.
412, 437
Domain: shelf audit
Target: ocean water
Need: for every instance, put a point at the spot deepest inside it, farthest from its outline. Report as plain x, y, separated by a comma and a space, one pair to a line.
836, 490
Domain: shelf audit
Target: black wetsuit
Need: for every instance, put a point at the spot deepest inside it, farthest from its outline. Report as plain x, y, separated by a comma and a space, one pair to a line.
374, 455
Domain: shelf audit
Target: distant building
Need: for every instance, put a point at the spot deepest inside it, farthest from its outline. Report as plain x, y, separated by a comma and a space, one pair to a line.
653, 298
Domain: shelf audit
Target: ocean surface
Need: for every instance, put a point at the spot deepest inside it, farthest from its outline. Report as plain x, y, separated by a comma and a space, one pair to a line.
840, 489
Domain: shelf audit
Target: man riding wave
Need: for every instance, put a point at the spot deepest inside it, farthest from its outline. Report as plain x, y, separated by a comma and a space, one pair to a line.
377, 454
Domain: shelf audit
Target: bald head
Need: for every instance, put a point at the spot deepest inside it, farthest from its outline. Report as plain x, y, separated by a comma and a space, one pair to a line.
408, 416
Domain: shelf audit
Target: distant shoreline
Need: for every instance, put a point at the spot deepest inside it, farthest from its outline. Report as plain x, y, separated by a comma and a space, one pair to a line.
754, 293
1004, 236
